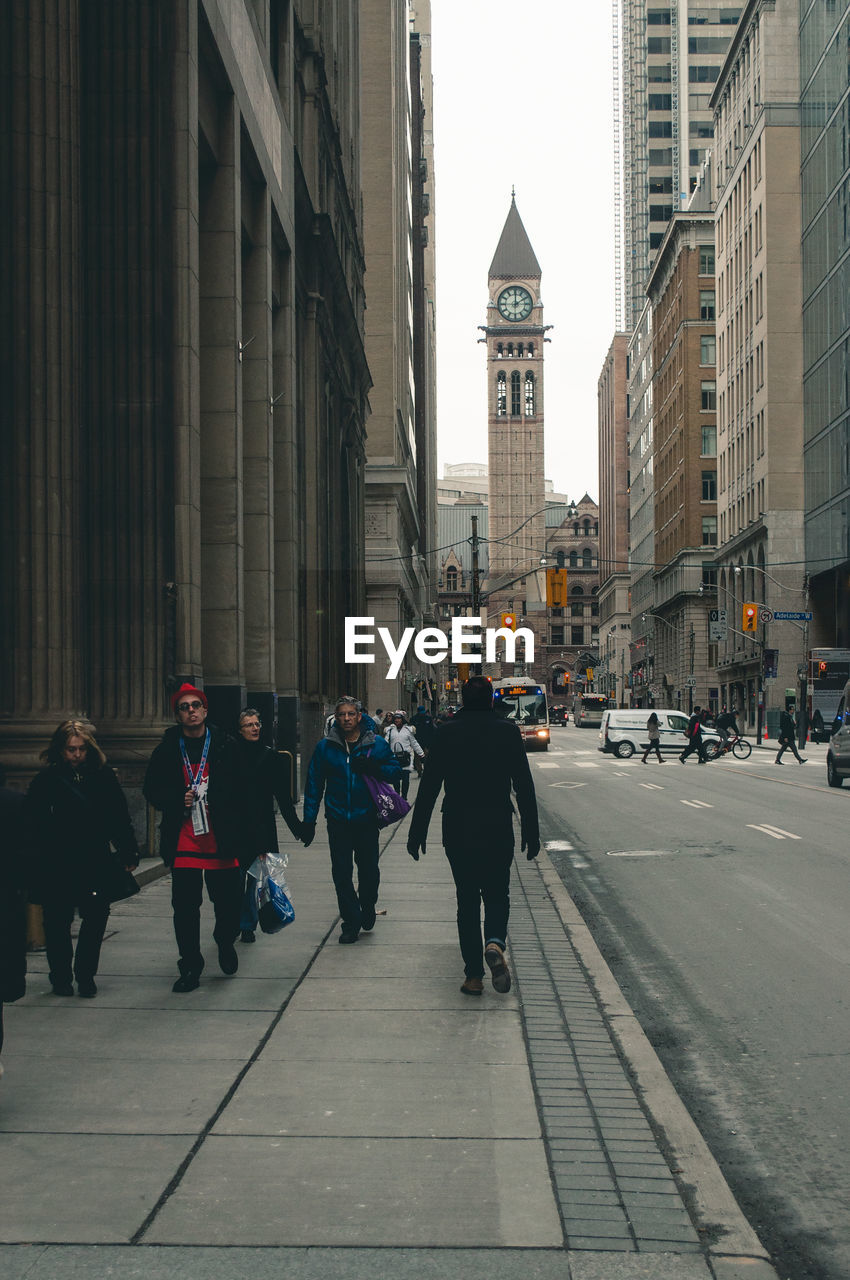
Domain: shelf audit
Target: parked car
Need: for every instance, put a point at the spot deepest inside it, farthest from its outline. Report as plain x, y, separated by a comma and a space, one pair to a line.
559, 714
622, 733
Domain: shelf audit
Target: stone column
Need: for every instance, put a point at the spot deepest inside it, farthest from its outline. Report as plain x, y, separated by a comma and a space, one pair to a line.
220, 276
41, 675
258, 457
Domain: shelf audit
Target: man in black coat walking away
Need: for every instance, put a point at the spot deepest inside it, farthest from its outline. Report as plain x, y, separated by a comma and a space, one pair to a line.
787, 730
192, 778
478, 758
694, 735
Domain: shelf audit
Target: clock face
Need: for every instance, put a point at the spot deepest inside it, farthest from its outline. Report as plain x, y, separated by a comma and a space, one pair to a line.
515, 303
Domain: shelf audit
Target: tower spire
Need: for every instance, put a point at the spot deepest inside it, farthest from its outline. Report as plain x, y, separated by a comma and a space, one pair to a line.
514, 258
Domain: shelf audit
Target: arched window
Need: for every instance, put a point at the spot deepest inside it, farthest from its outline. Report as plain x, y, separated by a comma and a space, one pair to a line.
519, 350
587, 528
529, 395
587, 558
516, 395
510, 350
530, 351
577, 590
499, 351
501, 393
573, 559
559, 559
576, 530
451, 578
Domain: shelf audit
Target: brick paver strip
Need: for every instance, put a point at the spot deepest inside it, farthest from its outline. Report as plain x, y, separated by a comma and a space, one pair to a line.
613, 1185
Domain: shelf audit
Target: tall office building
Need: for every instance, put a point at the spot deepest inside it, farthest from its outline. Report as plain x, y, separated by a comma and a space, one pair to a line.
670, 58
825, 130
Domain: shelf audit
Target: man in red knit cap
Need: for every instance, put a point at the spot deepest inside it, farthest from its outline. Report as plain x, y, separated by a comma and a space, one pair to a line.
191, 779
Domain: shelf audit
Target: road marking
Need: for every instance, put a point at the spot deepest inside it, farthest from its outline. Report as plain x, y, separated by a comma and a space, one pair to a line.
766, 831
789, 835
570, 786
650, 786
586, 764
639, 853
541, 764
558, 845
698, 804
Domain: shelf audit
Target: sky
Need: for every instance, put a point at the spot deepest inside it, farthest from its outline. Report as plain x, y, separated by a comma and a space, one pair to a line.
523, 97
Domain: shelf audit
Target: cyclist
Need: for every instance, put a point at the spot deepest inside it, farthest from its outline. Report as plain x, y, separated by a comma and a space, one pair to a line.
726, 725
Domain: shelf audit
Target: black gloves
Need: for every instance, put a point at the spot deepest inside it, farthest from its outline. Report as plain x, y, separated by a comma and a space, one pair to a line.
365, 764
533, 845
308, 833
413, 847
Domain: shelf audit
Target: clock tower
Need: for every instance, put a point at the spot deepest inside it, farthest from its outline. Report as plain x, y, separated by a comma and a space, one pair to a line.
514, 337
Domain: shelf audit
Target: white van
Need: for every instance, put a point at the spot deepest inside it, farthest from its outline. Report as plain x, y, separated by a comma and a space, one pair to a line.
624, 732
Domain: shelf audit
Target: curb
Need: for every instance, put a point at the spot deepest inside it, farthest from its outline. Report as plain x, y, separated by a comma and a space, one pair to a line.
697, 1171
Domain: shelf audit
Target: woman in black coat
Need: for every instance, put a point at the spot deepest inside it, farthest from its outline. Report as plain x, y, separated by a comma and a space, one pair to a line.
74, 810
263, 778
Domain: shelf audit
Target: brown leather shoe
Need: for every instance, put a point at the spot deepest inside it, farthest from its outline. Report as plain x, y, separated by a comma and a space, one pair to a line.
496, 963
473, 987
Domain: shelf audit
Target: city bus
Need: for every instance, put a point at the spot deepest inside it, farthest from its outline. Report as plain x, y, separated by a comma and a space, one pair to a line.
588, 709
521, 700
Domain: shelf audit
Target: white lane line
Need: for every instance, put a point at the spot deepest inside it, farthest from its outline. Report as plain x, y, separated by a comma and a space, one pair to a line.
650, 786
789, 835
766, 831
558, 845
586, 764
698, 804
540, 764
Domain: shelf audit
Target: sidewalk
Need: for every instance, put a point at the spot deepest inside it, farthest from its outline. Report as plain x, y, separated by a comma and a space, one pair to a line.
346, 1112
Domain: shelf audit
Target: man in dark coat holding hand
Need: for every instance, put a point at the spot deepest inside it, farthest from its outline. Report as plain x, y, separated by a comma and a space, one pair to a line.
478, 758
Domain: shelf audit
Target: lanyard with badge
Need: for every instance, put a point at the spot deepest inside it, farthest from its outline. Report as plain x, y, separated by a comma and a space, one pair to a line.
200, 812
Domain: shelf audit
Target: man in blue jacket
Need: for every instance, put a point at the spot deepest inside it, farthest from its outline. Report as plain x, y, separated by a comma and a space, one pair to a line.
338, 767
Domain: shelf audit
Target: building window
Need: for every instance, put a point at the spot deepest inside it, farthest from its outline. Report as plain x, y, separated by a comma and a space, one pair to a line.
501, 394
708, 349
709, 442
557, 612
709, 531
573, 559
661, 102
587, 558
577, 635
529, 395
660, 129
577, 610
516, 396
660, 212
451, 578
708, 395
557, 635
706, 259
709, 486
709, 577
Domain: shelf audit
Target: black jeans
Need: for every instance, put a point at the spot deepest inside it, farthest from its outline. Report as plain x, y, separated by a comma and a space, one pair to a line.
480, 875
354, 842
784, 745
187, 893
695, 744
58, 918
654, 745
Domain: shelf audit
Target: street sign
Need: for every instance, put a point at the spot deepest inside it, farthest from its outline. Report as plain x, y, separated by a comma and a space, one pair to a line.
690, 682
792, 617
716, 625
765, 614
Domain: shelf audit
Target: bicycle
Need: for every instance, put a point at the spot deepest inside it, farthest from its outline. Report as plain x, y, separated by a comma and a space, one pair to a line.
740, 748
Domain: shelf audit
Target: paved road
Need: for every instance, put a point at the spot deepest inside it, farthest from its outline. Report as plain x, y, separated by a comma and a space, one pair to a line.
720, 896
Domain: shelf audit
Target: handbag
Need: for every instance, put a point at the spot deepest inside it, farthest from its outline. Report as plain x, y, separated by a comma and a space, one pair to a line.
119, 883
272, 900
390, 807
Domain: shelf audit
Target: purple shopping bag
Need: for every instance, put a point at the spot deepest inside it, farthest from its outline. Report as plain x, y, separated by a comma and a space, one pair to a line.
389, 805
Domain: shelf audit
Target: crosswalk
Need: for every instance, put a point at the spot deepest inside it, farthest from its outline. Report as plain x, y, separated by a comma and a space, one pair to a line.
605, 769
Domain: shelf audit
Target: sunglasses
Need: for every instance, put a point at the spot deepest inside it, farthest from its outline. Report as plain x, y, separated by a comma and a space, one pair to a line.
189, 706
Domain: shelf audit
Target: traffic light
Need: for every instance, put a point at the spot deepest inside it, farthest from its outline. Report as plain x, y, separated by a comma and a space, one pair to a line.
749, 616
556, 588
590, 674
508, 620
